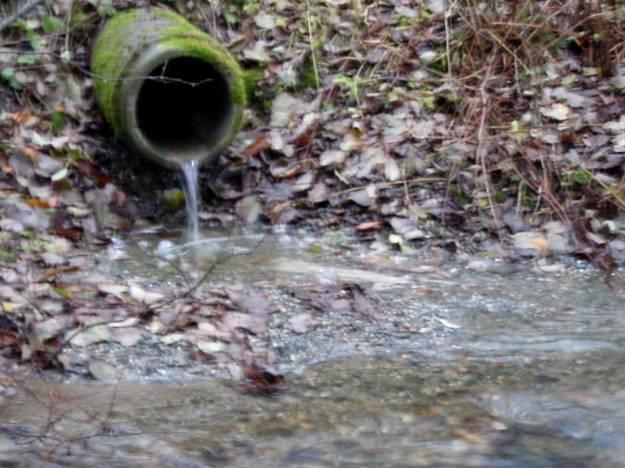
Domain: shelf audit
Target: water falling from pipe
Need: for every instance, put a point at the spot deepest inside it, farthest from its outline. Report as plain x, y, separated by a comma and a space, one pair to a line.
191, 190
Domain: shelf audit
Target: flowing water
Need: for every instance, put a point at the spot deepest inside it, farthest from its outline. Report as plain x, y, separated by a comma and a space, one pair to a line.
190, 171
509, 367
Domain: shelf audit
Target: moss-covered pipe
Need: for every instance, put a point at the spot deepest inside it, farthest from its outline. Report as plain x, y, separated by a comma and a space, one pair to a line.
172, 92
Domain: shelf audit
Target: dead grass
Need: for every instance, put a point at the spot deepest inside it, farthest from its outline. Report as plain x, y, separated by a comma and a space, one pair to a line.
497, 53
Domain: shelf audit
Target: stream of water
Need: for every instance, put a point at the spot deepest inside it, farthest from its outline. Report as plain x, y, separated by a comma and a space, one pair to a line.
190, 172
500, 368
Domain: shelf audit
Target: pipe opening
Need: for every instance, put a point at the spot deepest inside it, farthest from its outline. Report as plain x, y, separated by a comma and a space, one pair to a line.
184, 108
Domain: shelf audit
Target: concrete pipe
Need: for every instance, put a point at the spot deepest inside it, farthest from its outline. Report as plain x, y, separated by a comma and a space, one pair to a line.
172, 92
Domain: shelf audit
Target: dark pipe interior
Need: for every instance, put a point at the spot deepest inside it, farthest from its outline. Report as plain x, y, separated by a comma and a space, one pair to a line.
183, 107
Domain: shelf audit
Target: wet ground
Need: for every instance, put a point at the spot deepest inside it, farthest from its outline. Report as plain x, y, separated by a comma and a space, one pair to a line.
464, 363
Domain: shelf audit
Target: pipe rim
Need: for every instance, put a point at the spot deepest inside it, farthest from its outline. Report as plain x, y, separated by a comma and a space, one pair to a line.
148, 61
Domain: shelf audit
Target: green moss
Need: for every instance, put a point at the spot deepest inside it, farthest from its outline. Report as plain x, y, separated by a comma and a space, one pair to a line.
268, 94
109, 59
307, 78
79, 19
174, 199
206, 48
252, 77
579, 177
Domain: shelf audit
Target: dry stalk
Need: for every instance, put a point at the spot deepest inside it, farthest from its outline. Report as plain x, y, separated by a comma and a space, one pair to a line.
481, 149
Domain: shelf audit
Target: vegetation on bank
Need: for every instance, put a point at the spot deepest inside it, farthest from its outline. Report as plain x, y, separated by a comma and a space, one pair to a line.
499, 119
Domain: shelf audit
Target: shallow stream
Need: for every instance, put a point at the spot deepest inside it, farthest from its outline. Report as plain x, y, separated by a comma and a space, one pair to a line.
501, 367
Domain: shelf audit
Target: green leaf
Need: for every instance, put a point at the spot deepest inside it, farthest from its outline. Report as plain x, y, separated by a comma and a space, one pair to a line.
52, 24
315, 249
580, 177
106, 8
76, 155
8, 74
35, 39
28, 59
58, 120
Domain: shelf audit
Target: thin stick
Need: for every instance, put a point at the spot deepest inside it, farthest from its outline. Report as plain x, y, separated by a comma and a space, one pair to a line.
481, 150
311, 38
448, 15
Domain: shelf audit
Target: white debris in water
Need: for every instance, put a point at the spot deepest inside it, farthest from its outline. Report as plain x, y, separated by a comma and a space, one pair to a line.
447, 323
164, 247
116, 253
329, 275
279, 228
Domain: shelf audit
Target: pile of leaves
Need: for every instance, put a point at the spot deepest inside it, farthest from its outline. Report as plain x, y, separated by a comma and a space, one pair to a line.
468, 124
500, 120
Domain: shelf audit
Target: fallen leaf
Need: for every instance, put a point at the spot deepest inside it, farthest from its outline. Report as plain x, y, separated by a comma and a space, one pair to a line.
318, 193
141, 295
114, 289
283, 106
127, 337
11, 225
91, 335
52, 327
530, 243
51, 307
92, 171
304, 182
557, 111
250, 301
62, 174
252, 323
249, 209
47, 166
363, 304
130, 321
173, 338
257, 146
8, 339
332, 157
264, 20
300, 323
369, 225
365, 197
51, 259
207, 329
210, 347
102, 370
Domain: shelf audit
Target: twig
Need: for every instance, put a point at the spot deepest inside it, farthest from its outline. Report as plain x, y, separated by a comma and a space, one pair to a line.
19, 11
480, 151
312, 46
183, 274
210, 270
448, 16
